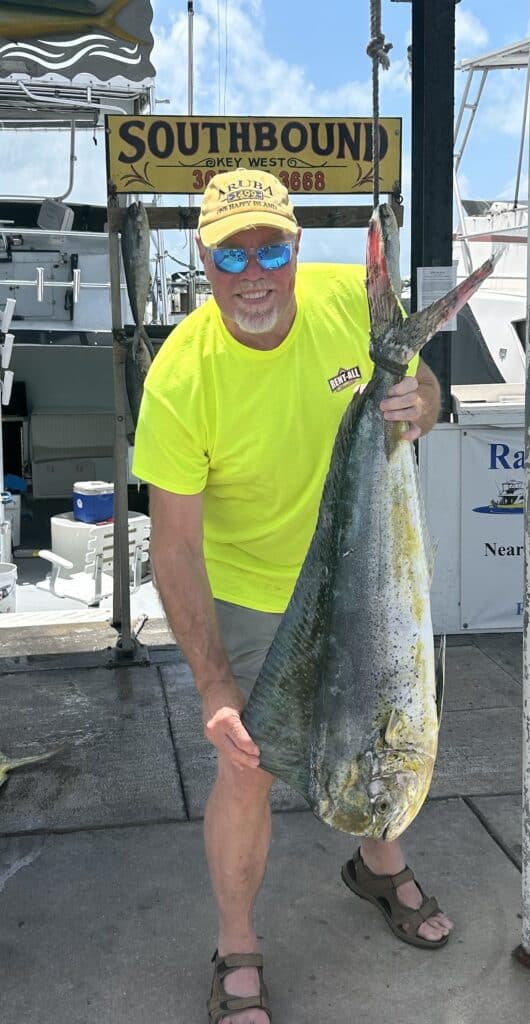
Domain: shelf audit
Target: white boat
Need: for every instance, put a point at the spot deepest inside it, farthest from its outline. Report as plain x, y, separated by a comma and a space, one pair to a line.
489, 347
58, 427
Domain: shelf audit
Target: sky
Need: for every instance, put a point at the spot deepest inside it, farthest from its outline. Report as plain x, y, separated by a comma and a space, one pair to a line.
288, 57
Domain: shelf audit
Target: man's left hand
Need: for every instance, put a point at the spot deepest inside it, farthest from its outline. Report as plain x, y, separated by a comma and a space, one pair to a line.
404, 402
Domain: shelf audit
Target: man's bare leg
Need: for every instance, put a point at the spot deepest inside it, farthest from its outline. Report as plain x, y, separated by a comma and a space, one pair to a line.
387, 859
237, 829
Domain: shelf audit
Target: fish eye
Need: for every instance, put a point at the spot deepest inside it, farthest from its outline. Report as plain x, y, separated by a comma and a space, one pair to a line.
381, 805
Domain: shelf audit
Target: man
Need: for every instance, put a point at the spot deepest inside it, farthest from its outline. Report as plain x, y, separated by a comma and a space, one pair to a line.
238, 419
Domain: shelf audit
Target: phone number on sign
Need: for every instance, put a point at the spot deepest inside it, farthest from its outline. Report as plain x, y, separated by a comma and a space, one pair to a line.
294, 181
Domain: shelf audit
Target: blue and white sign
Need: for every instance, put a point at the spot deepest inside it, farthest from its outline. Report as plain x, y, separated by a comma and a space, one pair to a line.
492, 539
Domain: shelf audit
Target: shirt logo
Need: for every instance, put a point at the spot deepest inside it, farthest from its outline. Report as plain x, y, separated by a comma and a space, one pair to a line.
343, 378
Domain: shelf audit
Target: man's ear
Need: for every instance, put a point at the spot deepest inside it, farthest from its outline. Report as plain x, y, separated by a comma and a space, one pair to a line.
200, 247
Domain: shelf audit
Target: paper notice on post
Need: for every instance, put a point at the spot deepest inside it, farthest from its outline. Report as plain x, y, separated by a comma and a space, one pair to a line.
434, 283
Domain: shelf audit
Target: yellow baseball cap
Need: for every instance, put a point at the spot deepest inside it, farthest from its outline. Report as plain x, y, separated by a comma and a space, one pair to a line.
236, 200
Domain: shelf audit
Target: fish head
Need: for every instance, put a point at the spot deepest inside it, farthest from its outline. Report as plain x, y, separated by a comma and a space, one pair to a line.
397, 782
340, 802
377, 794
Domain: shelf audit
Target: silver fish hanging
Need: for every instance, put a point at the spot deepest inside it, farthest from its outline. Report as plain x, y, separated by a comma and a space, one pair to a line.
135, 247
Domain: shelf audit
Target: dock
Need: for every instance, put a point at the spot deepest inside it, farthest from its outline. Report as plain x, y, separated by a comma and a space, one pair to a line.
105, 909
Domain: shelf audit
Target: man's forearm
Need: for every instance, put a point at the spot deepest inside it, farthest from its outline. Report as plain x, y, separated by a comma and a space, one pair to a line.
185, 592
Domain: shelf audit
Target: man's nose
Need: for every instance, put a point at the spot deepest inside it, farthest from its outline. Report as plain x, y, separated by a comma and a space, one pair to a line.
253, 269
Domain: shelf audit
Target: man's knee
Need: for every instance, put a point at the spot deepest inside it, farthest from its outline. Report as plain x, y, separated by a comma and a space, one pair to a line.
247, 784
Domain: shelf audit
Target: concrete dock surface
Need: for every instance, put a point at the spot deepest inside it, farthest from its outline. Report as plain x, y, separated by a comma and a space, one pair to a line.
105, 910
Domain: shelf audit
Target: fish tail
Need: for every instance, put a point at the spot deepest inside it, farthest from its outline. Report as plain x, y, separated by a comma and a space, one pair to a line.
107, 21
382, 299
147, 342
420, 327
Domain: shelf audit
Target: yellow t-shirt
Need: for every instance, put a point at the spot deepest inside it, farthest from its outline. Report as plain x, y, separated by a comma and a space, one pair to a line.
254, 429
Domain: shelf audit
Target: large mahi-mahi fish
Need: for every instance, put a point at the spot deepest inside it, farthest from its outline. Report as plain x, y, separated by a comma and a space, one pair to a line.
347, 704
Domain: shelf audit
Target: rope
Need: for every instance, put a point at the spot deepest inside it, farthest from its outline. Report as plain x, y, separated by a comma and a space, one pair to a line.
377, 50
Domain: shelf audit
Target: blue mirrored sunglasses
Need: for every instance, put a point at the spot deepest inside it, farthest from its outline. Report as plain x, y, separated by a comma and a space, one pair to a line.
269, 257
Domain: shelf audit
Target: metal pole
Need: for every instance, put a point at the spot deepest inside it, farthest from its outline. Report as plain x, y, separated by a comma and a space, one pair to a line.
523, 137
160, 271
121, 608
522, 952
192, 275
5, 390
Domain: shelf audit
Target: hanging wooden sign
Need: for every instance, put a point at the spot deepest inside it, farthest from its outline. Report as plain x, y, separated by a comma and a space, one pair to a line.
179, 154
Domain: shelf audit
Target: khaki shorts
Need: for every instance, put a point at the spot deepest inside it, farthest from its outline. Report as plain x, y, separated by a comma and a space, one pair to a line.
247, 635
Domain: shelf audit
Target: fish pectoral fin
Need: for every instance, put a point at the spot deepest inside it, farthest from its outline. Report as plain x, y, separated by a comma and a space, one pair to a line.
440, 677
397, 729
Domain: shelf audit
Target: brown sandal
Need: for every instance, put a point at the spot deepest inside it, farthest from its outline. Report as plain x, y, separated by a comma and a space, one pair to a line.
221, 1003
381, 891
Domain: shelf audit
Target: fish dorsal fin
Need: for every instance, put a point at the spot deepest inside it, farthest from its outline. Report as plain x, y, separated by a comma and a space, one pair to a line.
440, 677
430, 549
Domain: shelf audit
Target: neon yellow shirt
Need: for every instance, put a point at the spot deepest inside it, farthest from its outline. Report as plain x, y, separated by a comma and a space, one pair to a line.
254, 429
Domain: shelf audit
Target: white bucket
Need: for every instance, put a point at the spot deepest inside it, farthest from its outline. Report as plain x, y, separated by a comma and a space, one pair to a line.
8, 587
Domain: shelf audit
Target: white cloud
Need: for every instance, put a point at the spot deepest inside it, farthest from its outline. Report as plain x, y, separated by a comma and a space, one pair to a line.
252, 81
260, 83
507, 191
504, 102
244, 80
471, 34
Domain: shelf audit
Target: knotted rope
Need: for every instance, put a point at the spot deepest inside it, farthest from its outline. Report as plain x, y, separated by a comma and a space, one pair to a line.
377, 50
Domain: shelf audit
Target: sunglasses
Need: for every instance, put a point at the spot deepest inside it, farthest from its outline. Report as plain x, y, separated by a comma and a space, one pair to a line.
269, 257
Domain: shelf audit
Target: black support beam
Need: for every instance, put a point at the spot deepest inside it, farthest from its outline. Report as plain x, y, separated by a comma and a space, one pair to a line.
433, 58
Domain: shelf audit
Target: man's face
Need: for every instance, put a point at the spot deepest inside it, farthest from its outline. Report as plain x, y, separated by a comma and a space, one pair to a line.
256, 301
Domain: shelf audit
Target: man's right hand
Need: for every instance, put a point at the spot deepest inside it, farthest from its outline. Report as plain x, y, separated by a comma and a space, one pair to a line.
222, 704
